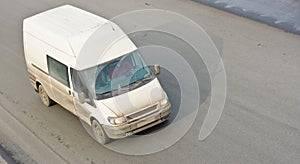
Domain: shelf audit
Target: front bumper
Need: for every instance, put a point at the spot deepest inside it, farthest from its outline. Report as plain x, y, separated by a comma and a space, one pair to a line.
138, 125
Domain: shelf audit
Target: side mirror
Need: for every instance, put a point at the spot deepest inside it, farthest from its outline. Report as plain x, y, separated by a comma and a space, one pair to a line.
156, 69
82, 98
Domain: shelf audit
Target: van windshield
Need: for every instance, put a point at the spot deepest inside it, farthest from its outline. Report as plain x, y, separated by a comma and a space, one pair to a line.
118, 76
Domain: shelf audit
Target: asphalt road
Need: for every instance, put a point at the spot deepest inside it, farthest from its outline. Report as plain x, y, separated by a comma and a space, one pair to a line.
260, 122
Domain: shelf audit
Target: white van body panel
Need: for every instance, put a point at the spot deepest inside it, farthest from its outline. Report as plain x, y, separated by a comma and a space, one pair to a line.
103, 45
136, 99
58, 25
68, 29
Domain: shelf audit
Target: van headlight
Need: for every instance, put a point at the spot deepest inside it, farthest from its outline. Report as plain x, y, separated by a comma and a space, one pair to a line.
116, 120
164, 102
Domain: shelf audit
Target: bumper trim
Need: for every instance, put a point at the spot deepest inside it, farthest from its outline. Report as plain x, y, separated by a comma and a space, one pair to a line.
117, 132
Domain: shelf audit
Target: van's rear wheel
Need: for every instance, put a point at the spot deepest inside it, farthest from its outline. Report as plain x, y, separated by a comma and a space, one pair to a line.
47, 101
99, 133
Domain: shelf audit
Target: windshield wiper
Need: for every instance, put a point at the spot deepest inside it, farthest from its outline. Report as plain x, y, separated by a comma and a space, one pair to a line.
135, 84
104, 95
148, 78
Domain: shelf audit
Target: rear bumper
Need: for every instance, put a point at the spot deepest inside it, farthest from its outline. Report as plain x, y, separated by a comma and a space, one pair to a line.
136, 126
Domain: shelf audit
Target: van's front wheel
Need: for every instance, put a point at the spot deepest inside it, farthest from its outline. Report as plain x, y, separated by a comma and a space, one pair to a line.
47, 101
99, 133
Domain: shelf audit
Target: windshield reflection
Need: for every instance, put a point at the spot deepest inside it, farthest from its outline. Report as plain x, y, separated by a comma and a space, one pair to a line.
118, 76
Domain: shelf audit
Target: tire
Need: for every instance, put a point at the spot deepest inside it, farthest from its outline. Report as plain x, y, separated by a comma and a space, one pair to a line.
46, 100
99, 133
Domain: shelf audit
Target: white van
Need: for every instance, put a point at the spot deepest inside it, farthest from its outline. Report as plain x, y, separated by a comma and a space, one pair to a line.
108, 86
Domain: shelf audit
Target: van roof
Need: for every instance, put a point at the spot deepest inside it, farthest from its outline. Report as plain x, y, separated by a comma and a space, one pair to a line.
66, 21
68, 29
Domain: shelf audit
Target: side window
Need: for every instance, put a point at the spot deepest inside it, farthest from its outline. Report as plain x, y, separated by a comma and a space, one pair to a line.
76, 81
58, 71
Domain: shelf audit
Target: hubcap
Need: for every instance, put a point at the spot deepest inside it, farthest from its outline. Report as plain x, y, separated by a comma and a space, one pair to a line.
44, 96
98, 131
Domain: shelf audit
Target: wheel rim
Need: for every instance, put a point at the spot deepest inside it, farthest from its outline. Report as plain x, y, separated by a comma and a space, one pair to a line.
44, 96
98, 132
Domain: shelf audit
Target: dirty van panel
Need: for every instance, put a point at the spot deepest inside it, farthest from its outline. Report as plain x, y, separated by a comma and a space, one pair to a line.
41, 77
36, 62
83, 110
45, 82
59, 79
62, 95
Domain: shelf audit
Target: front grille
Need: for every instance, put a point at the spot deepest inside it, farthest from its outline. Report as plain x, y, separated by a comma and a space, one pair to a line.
142, 112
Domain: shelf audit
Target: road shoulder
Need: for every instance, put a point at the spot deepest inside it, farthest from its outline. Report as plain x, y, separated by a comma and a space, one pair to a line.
36, 150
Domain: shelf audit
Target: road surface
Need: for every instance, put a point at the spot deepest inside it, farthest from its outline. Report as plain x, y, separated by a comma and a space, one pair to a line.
260, 122
284, 14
